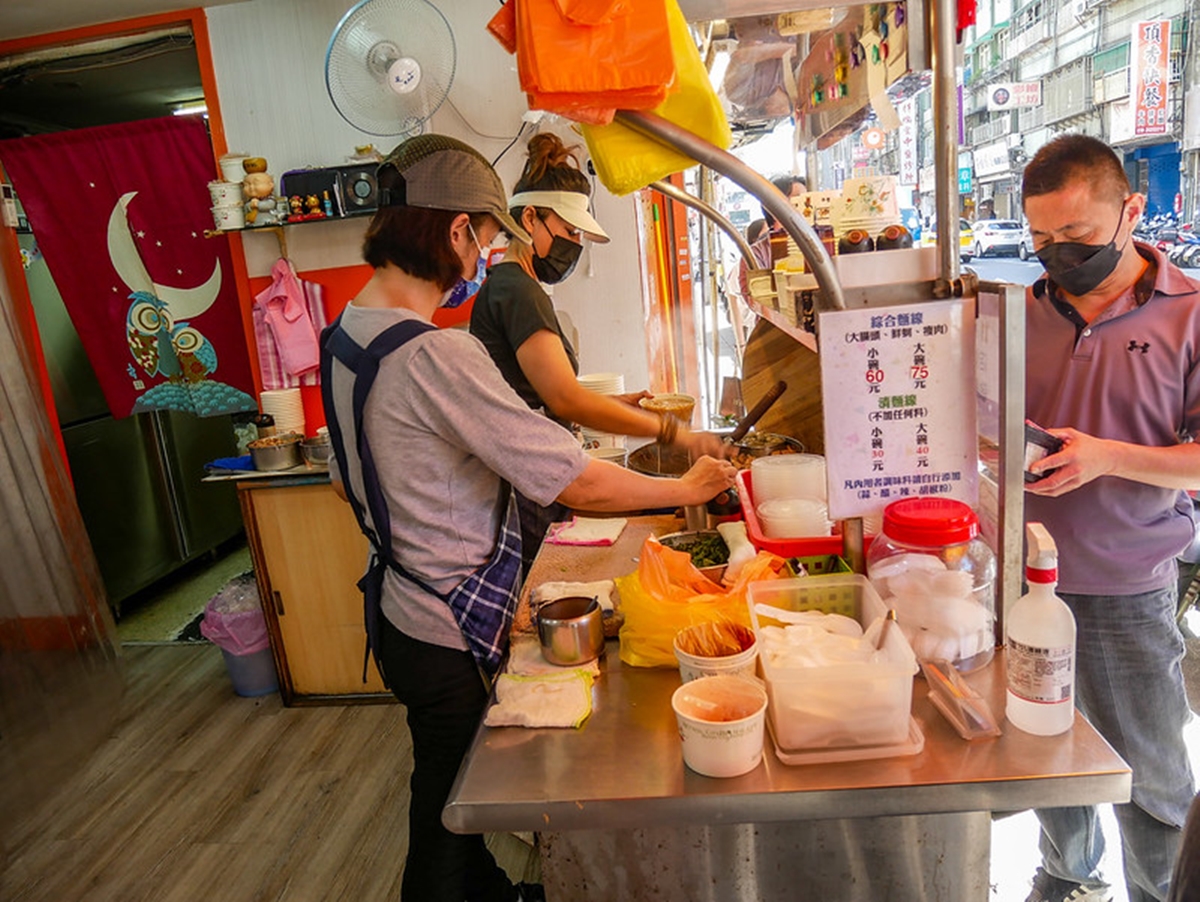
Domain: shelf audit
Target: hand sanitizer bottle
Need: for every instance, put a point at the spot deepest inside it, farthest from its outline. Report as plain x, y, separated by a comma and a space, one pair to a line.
1041, 646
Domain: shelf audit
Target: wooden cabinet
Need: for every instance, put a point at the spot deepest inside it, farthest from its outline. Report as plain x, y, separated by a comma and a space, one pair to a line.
308, 557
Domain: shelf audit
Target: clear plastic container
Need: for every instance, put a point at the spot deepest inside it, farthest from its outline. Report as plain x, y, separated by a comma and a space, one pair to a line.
850, 705
929, 564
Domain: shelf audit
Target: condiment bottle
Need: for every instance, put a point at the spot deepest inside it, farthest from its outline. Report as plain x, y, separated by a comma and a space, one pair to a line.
855, 241
1041, 646
894, 237
264, 423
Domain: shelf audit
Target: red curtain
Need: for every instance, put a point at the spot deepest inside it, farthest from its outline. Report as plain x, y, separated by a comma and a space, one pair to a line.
120, 212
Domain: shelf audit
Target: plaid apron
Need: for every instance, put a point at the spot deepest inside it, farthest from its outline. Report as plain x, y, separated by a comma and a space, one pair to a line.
483, 604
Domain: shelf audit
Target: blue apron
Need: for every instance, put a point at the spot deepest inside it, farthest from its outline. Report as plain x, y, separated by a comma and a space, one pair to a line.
483, 604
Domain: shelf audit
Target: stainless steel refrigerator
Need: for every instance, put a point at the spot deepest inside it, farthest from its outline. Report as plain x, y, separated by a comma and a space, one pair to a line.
137, 479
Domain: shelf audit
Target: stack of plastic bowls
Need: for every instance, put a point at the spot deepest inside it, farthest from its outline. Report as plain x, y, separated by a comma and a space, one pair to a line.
593, 439
286, 406
790, 495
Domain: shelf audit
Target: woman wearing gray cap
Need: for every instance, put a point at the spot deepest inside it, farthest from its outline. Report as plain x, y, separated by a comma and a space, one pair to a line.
515, 319
429, 445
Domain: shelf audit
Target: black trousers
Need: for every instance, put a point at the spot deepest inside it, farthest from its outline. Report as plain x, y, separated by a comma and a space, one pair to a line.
445, 697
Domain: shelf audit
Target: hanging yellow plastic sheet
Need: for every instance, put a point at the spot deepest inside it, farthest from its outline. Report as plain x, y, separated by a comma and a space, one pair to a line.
626, 160
584, 59
667, 593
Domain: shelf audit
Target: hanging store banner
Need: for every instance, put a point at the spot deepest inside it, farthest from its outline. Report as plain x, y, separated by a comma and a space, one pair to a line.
120, 213
898, 385
908, 142
1010, 95
1149, 75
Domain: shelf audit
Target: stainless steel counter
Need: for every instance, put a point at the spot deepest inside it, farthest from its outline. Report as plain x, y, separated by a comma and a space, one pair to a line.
623, 772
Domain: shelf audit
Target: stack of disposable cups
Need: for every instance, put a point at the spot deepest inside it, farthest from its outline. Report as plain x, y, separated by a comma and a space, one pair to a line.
603, 384
286, 407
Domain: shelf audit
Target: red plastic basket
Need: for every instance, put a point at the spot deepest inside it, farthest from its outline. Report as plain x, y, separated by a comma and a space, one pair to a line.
802, 547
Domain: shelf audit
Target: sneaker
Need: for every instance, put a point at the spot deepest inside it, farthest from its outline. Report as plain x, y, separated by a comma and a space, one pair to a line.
1048, 888
530, 892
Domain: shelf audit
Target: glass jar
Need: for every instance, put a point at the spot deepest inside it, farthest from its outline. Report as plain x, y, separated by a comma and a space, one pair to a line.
929, 564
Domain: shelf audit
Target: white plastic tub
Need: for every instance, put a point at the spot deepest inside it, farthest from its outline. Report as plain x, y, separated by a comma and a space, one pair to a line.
692, 666
839, 706
720, 722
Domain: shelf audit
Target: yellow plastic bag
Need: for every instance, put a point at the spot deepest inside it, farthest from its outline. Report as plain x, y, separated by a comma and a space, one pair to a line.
626, 160
666, 593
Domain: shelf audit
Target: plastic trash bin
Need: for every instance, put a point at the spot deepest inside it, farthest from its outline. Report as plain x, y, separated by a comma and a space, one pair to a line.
234, 622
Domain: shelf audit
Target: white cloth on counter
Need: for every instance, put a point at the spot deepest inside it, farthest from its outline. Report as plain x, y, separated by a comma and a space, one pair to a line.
552, 700
525, 659
600, 589
587, 531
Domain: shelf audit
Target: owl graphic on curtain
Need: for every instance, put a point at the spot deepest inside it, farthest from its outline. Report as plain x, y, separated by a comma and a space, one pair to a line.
161, 347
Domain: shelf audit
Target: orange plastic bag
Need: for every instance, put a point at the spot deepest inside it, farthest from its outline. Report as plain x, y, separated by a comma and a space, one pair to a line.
503, 26
667, 593
585, 58
622, 50
627, 160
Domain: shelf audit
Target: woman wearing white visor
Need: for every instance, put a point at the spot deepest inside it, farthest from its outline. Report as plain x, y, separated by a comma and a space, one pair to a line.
516, 321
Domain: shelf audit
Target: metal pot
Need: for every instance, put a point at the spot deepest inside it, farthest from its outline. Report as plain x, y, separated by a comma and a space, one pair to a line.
278, 452
571, 630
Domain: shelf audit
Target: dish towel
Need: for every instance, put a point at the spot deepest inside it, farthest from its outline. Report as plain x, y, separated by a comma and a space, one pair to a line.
525, 659
552, 700
586, 531
600, 589
285, 289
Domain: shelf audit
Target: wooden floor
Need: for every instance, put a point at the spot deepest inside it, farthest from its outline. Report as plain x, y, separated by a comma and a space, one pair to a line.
199, 794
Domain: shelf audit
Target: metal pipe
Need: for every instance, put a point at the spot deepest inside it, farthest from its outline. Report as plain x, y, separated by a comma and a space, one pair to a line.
710, 213
708, 154
943, 22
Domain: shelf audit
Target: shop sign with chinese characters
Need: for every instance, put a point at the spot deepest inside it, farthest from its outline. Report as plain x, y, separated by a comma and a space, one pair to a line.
898, 385
1149, 76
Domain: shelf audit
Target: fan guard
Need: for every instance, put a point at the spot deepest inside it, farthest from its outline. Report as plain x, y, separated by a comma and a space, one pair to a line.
389, 65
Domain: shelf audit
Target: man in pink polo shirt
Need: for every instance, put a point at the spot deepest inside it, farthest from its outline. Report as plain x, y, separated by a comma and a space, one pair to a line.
1113, 369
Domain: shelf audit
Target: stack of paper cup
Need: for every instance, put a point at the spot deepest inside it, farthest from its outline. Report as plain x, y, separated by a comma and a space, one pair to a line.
285, 405
227, 204
603, 384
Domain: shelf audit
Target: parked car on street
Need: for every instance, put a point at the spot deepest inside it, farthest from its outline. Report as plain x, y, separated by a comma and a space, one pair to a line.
965, 237
996, 237
1025, 248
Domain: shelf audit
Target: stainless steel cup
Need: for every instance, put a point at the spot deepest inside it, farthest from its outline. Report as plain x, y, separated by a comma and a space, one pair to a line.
571, 630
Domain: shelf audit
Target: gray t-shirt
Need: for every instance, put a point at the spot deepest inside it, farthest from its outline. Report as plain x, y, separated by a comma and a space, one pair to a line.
444, 429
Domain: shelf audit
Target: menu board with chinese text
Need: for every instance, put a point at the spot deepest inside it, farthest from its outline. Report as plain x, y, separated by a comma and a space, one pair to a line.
898, 385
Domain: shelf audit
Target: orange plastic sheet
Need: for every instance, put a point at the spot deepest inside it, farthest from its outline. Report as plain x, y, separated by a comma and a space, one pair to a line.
584, 59
667, 593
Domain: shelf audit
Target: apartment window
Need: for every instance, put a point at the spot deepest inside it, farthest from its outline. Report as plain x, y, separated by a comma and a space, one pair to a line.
1112, 59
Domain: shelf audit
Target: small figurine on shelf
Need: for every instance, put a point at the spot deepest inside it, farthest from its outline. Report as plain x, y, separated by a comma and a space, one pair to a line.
312, 207
258, 189
296, 202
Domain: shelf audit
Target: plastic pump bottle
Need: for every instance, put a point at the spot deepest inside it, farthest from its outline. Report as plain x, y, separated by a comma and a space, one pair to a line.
1041, 646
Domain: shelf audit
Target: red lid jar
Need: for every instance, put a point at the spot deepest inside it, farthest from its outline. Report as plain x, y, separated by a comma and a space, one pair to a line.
930, 522
929, 550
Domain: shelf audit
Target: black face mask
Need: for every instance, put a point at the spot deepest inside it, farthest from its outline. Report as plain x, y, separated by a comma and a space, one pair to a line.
559, 261
1079, 268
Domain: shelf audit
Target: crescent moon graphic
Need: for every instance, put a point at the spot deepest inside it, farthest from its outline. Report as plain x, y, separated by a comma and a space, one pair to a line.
184, 303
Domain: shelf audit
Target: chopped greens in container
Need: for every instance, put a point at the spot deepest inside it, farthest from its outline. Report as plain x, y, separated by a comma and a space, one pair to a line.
707, 549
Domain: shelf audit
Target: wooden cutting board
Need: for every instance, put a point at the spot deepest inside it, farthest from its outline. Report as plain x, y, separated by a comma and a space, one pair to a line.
771, 354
